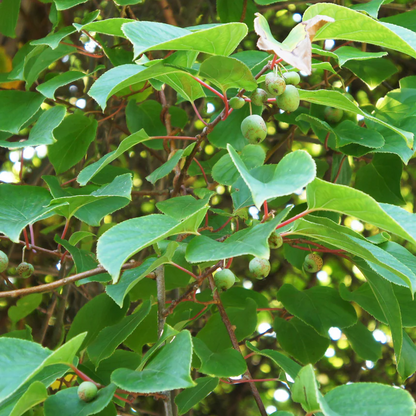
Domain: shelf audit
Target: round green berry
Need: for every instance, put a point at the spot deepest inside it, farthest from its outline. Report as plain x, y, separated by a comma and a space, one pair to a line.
25, 270
291, 78
259, 267
289, 100
4, 261
237, 103
275, 84
224, 279
275, 240
254, 129
313, 263
259, 97
87, 391
333, 115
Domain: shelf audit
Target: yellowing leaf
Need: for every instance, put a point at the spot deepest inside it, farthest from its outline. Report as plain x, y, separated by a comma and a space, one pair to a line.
296, 49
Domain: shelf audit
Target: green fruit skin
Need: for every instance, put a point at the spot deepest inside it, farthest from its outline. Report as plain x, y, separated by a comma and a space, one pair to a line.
275, 240
237, 103
25, 270
274, 84
259, 97
224, 279
289, 100
259, 267
87, 391
254, 129
4, 261
333, 115
291, 78
313, 263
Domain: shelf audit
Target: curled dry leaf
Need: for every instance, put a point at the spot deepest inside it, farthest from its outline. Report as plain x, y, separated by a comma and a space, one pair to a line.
296, 49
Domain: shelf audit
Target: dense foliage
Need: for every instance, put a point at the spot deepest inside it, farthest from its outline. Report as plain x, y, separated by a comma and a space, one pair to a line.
206, 208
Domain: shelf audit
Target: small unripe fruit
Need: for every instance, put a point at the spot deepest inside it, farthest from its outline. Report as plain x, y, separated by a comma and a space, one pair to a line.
259, 267
313, 263
275, 240
224, 279
259, 97
274, 84
333, 115
237, 102
25, 270
291, 78
4, 261
254, 129
289, 100
87, 391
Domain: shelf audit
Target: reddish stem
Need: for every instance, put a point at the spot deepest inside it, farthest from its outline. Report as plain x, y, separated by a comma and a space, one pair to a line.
339, 169
326, 140
67, 182
32, 237
208, 87
206, 219
270, 309
223, 226
83, 376
229, 262
26, 238
115, 113
197, 113
199, 313
184, 270
266, 212
224, 117
202, 170
296, 217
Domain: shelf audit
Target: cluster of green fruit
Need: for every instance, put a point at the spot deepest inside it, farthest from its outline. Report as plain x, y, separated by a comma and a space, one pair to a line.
260, 268
283, 88
87, 391
24, 269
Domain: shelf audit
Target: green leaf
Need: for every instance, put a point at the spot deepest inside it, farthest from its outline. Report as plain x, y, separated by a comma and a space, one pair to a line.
73, 136
9, 13
40, 59
320, 307
53, 39
407, 364
90, 171
253, 240
371, 399
112, 336
373, 72
217, 40
236, 296
406, 20
233, 10
49, 87
110, 27
294, 171
383, 292
381, 179
372, 7
21, 206
23, 359
46, 376
95, 315
67, 4
226, 73
127, 238
93, 207
167, 167
300, 340
349, 53
305, 390
187, 399
363, 342
225, 172
355, 26
337, 100
291, 367
24, 307
132, 277
322, 195
348, 132
226, 363
16, 108
58, 403
35, 394
162, 373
